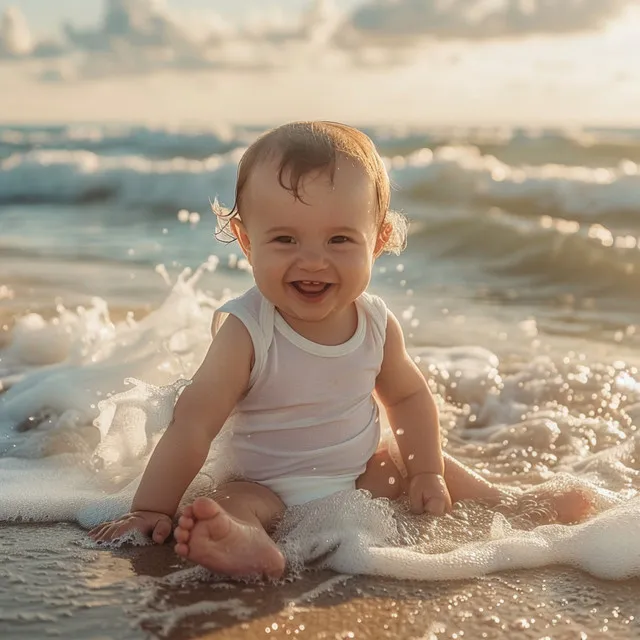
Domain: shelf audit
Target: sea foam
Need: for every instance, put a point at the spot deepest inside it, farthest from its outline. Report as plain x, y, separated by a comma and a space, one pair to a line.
88, 399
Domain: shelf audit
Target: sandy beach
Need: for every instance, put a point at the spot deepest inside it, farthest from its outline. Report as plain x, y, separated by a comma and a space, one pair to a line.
529, 339
510, 135
55, 585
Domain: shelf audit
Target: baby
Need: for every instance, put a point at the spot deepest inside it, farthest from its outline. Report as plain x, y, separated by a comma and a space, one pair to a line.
295, 364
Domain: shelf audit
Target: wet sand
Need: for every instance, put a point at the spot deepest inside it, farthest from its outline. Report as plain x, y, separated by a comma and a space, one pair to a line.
53, 584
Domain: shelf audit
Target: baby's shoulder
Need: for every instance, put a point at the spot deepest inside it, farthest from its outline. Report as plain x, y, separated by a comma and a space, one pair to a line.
374, 305
240, 307
376, 312
250, 300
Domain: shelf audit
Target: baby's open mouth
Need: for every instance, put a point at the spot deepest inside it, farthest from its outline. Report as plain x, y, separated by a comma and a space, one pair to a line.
310, 288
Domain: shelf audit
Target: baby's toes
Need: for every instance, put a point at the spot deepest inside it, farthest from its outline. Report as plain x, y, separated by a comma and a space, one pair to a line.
181, 535
188, 511
181, 549
186, 522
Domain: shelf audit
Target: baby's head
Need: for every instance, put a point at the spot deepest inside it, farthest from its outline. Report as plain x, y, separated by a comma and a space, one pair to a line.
302, 150
312, 215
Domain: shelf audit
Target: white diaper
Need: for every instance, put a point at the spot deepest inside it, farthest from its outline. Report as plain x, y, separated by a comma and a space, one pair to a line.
300, 489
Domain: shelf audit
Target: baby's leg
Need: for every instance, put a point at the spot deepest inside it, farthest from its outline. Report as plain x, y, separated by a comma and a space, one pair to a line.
541, 504
383, 479
465, 484
228, 535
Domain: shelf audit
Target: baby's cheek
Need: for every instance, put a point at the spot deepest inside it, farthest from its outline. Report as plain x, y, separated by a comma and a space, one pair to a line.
361, 260
268, 271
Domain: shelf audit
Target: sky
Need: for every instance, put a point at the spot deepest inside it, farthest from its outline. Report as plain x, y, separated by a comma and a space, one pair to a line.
393, 62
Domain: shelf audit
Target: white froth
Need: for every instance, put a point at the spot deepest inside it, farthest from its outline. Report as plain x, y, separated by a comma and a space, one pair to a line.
312, 594
169, 619
354, 535
76, 430
50, 489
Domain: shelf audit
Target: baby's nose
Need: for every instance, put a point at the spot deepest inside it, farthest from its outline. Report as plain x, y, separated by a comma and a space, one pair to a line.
312, 259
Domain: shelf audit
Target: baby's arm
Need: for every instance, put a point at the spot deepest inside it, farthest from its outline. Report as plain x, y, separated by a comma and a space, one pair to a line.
199, 414
413, 415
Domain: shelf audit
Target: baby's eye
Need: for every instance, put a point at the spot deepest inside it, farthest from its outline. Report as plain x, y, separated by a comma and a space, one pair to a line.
340, 239
284, 239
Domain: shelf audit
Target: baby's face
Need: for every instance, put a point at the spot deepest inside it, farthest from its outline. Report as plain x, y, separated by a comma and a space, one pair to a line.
311, 259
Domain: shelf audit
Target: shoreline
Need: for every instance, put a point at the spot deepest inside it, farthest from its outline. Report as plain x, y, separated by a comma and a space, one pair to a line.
54, 583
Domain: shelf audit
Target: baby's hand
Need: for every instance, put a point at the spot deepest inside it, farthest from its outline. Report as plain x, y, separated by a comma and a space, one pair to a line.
428, 491
150, 523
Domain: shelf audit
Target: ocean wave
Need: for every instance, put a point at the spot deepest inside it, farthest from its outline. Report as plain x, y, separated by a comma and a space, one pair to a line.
512, 145
448, 174
545, 257
154, 143
517, 146
464, 175
82, 176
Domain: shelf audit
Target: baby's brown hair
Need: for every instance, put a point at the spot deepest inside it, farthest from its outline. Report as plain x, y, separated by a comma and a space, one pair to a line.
306, 147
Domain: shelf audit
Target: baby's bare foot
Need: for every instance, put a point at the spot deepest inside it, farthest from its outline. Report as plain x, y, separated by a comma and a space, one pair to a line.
569, 506
209, 536
545, 505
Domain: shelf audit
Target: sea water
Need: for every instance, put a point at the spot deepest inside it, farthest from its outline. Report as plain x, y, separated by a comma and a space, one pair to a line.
516, 295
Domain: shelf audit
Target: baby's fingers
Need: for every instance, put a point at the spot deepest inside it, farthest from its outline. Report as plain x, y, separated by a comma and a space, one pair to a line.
112, 530
448, 502
436, 506
105, 533
416, 502
97, 532
162, 530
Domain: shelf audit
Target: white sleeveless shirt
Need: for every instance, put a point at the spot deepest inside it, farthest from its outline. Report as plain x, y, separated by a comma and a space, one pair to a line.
309, 410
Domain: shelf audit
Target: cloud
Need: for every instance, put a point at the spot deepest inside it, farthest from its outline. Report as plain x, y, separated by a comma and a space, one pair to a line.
142, 24
136, 37
15, 36
479, 19
17, 41
142, 36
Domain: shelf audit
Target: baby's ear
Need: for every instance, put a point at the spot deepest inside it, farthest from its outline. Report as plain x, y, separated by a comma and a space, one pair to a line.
383, 237
240, 232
